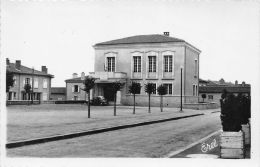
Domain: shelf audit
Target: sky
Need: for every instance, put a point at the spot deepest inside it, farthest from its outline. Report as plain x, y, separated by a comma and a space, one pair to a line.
60, 34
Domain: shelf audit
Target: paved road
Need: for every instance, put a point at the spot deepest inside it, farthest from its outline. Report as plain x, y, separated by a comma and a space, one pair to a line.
155, 140
37, 121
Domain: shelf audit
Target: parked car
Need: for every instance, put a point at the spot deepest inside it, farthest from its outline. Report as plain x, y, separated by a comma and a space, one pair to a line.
99, 100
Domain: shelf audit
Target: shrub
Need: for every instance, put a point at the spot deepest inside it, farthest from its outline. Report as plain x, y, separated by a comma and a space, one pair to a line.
235, 110
203, 96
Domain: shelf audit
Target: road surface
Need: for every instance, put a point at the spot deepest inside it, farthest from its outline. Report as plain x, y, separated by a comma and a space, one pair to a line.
156, 140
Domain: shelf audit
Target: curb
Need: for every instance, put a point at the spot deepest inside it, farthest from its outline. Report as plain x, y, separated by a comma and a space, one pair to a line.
171, 154
91, 132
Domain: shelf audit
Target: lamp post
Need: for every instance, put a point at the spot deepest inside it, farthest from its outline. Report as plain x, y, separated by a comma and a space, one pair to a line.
181, 89
32, 96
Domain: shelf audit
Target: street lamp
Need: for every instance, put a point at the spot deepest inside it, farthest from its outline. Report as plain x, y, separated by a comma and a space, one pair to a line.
181, 89
32, 96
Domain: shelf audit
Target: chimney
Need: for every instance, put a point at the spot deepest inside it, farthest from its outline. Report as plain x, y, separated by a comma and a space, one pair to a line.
82, 76
236, 82
243, 83
74, 75
166, 34
18, 64
7, 62
44, 69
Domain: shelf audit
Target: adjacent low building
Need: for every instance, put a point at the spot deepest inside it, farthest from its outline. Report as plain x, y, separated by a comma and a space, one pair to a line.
58, 93
214, 89
74, 88
39, 80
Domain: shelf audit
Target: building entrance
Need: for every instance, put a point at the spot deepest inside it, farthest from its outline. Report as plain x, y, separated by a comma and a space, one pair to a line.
108, 92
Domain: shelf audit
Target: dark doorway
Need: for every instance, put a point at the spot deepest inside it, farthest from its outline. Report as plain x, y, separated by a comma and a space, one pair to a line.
108, 93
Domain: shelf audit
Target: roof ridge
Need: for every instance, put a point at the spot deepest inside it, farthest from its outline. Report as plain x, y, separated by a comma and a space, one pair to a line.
145, 38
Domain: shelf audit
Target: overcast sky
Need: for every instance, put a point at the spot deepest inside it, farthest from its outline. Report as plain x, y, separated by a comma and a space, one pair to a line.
60, 34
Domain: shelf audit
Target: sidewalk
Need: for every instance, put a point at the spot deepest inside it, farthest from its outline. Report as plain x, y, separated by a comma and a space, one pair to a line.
207, 147
25, 123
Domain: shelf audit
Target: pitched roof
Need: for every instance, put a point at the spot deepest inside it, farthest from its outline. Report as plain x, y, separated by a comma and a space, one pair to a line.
74, 80
154, 38
26, 70
218, 83
219, 89
58, 90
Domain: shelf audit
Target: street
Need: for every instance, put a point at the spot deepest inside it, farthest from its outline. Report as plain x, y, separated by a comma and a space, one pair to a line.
156, 140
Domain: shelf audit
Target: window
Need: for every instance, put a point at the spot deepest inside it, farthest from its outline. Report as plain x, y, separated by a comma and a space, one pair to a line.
27, 80
196, 68
14, 78
193, 90
137, 63
35, 84
75, 88
14, 95
152, 64
196, 90
139, 91
111, 64
169, 88
210, 97
154, 85
168, 63
44, 83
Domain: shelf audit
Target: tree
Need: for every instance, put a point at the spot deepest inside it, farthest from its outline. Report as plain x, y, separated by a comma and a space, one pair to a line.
116, 86
27, 89
9, 80
134, 88
149, 89
162, 90
89, 83
203, 96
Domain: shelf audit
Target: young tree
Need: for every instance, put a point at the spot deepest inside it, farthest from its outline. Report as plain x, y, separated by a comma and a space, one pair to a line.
9, 80
116, 86
89, 83
203, 96
149, 89
27, 89
134, 88
162, 90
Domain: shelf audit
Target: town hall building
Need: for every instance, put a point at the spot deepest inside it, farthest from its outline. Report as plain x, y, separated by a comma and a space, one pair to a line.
157, 59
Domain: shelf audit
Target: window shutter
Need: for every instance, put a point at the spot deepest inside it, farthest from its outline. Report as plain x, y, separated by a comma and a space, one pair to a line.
72, 90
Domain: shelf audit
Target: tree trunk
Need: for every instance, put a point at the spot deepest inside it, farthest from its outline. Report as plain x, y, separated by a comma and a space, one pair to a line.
32, 97
115, 104
149, 109
134, 105
161, 103
88, 104
28, 99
